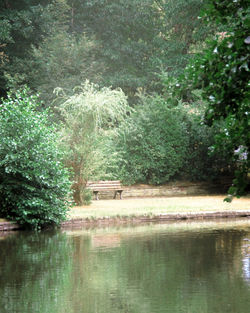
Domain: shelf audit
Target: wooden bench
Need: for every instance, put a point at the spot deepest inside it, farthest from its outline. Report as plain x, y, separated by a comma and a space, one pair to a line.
105, 185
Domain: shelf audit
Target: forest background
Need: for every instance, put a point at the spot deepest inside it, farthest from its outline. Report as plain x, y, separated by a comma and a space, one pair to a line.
144, 91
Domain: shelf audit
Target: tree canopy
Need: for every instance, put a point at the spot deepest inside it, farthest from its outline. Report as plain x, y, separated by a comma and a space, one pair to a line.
223, 72
125, 44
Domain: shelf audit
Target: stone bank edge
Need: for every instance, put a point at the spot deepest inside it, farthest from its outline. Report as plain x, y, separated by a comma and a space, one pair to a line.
102, 221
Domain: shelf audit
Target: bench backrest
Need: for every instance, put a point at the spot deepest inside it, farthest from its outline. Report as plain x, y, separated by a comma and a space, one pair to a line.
104, 185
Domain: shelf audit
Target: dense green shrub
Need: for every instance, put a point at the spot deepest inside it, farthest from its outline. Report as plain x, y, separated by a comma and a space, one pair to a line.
87, 196
202, 163
34, 185
161, 142
150, 146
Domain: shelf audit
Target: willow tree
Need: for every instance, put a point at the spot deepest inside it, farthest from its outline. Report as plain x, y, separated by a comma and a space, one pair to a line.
88, 115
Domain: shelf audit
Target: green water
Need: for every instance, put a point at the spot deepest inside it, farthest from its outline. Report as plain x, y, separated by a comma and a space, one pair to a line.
178, 267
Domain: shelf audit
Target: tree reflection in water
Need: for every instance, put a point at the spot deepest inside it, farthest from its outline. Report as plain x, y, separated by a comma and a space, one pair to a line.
35, 271
152, 269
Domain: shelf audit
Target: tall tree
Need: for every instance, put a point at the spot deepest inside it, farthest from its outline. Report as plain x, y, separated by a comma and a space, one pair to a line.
142, 38
23, 24
61, 60
133, 42
224, 73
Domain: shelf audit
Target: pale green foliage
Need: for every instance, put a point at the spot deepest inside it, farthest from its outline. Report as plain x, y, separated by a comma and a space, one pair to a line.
101, 108
88, 116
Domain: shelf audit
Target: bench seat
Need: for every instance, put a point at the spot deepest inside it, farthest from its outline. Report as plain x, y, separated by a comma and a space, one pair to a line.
105, 185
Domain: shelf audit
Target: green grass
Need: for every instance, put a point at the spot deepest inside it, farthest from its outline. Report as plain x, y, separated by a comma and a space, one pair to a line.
156, 206
133, 207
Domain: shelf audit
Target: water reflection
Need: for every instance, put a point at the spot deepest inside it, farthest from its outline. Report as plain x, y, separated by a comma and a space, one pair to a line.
246, 259
179, 267
34, 271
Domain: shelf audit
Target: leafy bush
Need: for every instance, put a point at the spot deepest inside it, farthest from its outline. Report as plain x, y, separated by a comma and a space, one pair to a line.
34, 186
160, 142
87, 196
202, 163
151, 144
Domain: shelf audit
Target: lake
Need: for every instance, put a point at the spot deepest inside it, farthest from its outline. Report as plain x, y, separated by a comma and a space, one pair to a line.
189, 267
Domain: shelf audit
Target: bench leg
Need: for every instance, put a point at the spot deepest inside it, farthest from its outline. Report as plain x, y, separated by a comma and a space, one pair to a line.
96, 195
118, 191
121, 195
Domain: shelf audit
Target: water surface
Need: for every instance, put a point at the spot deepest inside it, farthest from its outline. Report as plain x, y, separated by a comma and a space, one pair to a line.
177, 267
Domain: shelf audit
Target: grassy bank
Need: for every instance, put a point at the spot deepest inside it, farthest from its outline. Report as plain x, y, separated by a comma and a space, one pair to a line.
156, 206
152, 207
